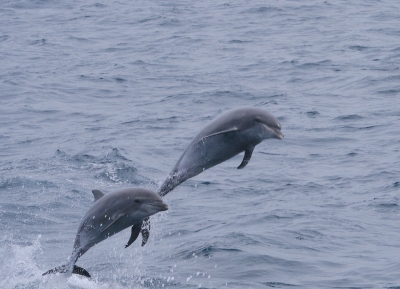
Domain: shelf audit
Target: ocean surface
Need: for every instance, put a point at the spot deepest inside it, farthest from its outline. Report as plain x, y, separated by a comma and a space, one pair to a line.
107, 95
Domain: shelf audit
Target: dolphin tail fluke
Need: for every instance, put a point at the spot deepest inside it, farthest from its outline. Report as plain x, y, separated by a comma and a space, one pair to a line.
80, 271
64, 269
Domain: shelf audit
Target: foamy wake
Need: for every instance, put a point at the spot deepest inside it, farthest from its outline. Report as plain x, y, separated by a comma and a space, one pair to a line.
19, 269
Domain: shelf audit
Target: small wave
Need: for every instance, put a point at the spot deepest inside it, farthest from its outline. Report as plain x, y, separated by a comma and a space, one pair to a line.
80, 39
349, 117
115, 155
81, 158
148, 19
279, 284
100, 5
4, 38
120, 79
388, 205
244, 239
203, 251
237, 41
112, 156
312, 65
394, 91
19, 182
263, 10
119, 173
173, 22
312, 113
358, 47
111, 167
40, 42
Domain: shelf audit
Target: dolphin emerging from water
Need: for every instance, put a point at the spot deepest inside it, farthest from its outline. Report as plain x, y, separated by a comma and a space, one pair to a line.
110, 214
226, 136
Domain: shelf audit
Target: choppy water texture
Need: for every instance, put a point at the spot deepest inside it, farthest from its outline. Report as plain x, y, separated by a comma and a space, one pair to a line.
107, 94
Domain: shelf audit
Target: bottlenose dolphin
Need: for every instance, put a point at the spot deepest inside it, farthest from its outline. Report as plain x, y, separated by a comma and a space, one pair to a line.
226, 136
231, 133
110, 214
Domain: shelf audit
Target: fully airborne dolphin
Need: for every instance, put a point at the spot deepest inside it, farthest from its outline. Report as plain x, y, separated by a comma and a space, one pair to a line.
110, 214
226, 136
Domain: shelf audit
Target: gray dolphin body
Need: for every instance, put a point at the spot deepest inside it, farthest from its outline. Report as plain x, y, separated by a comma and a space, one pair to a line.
110, 214
226, 136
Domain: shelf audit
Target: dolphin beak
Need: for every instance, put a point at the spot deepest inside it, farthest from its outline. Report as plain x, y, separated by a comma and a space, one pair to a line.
278, 134
161, 206
165, 207
275, 131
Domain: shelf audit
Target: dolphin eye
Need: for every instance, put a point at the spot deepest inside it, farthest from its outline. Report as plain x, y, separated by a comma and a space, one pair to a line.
137, 201
257, 119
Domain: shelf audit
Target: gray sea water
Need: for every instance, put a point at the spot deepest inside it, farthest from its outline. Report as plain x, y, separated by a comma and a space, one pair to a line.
107, 95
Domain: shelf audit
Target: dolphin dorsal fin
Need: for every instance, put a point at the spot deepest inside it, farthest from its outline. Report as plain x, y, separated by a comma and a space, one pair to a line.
97, 194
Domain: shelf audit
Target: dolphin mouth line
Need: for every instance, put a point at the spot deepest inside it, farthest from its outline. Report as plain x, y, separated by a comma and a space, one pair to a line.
278, 134
276, 131
162, 206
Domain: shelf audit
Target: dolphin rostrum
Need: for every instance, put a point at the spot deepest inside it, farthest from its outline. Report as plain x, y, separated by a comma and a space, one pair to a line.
110, 214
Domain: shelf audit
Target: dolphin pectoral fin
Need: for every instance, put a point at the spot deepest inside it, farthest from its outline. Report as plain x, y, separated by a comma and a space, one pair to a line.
247, 156
135, 233
145, 230
97, 194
